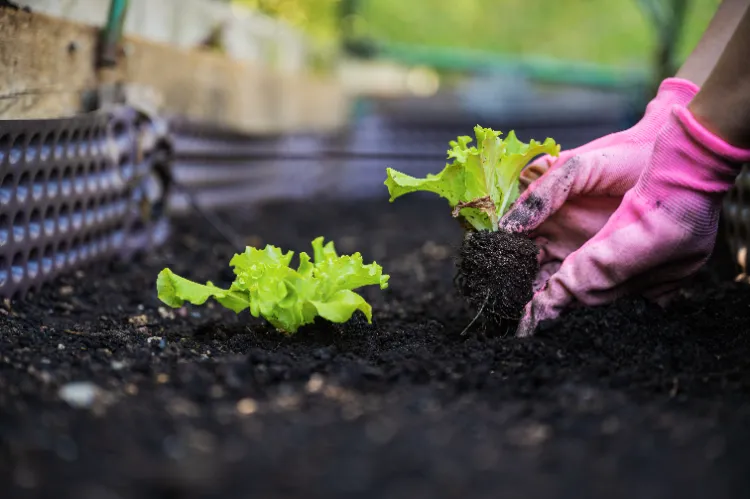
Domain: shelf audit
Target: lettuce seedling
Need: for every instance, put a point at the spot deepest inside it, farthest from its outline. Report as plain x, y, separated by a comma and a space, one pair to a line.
482, 181
287, 298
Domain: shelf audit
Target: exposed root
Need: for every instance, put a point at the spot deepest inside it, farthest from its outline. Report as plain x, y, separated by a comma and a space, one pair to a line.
486, 298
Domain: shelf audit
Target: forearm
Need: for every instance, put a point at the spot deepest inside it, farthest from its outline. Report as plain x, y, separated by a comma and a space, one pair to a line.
703, 58
723, 104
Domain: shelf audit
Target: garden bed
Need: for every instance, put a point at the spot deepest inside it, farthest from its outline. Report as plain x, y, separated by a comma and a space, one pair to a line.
626, 400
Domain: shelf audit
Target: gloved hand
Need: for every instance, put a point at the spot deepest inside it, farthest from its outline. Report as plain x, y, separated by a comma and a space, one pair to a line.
663, 231
567, 200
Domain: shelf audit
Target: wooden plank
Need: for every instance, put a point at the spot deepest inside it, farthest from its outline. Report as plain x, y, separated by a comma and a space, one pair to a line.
205, 86
245, 34
46, 69
374, 78
322, 105
45, 65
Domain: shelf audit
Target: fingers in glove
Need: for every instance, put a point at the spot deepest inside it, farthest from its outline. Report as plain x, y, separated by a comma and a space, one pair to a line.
546, 271
597, 172
535, 170
542, 198
645, 254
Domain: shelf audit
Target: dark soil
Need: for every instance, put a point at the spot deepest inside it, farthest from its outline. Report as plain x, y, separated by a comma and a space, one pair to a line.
496, 273
626, 400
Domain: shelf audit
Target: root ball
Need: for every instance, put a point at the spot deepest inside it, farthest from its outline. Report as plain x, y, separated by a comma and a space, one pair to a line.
496, 272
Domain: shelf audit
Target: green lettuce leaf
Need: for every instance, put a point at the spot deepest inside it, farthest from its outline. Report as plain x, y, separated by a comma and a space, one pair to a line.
174, 290
481, 183
287, 298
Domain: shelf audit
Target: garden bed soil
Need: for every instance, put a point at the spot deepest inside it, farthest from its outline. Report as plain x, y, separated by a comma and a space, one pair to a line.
626, 400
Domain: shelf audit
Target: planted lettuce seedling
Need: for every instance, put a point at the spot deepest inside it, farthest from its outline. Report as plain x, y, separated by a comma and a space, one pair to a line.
287, 298
496, 269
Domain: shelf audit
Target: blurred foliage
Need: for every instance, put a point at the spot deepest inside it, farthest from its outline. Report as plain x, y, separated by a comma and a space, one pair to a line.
318, 18
616, 32
613, 32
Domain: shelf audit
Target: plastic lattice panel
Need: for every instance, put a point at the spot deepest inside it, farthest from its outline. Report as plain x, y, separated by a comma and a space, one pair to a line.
74, 190
737, 217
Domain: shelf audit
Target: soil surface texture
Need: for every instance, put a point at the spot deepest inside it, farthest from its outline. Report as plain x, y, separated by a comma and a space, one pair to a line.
105, 393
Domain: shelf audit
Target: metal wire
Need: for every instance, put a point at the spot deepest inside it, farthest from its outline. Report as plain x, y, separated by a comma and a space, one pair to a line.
229, 234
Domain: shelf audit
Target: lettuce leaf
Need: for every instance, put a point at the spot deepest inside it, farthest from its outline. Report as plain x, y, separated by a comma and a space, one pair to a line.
481, 183
287, 298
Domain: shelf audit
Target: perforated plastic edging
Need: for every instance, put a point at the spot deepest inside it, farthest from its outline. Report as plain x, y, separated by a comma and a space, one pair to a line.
737, 217
74, 190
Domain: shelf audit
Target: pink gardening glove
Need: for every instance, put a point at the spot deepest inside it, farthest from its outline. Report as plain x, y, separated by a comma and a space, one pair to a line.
662, 233
577, 192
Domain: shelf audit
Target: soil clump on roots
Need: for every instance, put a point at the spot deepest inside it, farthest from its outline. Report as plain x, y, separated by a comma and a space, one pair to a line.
496, 272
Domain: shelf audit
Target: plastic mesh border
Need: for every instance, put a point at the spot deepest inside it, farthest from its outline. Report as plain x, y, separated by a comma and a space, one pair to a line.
79, 189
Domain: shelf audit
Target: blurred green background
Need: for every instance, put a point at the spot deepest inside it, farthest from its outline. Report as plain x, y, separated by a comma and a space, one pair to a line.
609, 32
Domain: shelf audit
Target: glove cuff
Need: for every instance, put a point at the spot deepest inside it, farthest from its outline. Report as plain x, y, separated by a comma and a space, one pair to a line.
707, 139
690, 171
677, 90
672, 91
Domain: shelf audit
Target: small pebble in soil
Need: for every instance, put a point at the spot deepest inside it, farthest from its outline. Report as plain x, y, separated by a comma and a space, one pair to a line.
247, 406
80, 394
117, 365
138, 320
436, 251
529, 435
157, 341
315, 383
165, 313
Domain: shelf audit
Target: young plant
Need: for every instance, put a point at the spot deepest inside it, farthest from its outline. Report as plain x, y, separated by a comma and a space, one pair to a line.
287, 298
482, 181
496, 269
